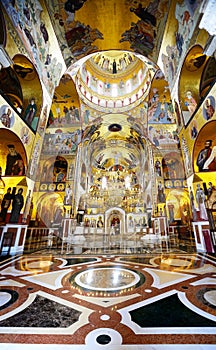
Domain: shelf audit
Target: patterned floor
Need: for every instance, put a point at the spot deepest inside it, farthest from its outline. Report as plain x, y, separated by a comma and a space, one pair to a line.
140, 301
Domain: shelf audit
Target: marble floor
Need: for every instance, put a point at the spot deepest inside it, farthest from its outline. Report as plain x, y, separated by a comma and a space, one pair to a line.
157, 300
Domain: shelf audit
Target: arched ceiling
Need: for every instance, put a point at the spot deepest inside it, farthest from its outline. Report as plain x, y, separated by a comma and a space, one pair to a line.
91, 25
93, 35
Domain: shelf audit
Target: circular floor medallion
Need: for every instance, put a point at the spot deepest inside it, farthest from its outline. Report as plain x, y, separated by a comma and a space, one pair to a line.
210, 297
107, 279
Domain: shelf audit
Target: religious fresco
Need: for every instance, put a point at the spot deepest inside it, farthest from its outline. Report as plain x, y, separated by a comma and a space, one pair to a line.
81, 20
48, 208
31, 116
65, 105
80, 37
209, 108
208, 76
142, 34
61, 142
13, 154
11, 122
6, 116
205, 149
11, 87
30, 21
83, 176
161, 136
54, 169
178, 206
193, 129
187, 14
25, 135
68, 117
172, 166
190, 96
160, 107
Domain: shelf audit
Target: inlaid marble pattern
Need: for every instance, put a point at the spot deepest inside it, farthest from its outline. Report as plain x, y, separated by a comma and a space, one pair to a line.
165, 301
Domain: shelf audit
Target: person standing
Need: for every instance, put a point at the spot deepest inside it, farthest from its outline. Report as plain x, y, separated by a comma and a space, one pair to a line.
5, 204
17, 204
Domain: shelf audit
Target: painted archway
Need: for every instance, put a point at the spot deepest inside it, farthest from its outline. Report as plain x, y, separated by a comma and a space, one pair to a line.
109, 216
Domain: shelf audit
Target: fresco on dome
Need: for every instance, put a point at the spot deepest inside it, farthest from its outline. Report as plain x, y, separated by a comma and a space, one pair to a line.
30, 21
79, 36
142, 34
115, 88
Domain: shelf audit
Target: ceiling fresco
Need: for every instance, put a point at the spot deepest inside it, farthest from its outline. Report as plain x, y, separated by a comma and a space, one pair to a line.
85, 25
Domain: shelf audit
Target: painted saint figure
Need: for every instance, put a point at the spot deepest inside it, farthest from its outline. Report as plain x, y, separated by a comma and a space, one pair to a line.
190, 102
14, 162
5, 204
200, 198
30, 111
203, 155
17, 204
6, 118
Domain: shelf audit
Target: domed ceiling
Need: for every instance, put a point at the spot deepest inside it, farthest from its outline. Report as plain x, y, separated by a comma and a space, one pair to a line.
114, 79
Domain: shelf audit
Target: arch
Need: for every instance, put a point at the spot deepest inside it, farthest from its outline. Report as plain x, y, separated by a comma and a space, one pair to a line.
11, 88
32, 98
65, 105
189, 94
54, 169
49, 207
117, 212
208, 76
